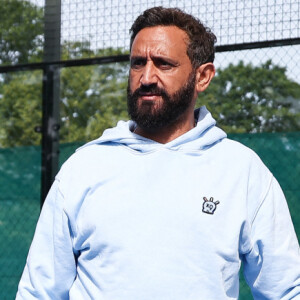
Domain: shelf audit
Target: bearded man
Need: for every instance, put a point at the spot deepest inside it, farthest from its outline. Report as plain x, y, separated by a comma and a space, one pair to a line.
164, 206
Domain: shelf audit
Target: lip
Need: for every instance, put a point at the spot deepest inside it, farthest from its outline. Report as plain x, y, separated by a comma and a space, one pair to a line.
149, 96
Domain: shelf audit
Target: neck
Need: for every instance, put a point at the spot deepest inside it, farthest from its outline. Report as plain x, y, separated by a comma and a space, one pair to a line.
168, 133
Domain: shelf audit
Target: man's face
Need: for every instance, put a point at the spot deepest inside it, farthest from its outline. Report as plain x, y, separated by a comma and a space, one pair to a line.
161, 82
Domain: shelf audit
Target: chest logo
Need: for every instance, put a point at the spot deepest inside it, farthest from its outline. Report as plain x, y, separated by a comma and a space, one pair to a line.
209, 206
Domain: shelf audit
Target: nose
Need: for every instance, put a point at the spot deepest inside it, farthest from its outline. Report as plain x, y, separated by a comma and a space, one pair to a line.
148, 76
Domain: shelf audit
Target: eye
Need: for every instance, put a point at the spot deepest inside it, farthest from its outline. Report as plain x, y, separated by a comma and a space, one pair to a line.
137, 63
163, 64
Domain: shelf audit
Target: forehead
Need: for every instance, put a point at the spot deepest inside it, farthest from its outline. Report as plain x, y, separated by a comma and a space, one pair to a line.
161, 40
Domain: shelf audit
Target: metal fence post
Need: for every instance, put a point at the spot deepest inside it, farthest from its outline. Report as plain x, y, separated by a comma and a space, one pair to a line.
51, 96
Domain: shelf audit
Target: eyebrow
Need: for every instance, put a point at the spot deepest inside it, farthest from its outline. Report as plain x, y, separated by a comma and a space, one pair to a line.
156, 58
136, 57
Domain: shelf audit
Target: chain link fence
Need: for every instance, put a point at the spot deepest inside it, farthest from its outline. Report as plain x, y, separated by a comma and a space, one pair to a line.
255, 96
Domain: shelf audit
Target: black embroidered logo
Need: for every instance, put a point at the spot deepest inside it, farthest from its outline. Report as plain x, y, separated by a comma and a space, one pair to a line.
209, 206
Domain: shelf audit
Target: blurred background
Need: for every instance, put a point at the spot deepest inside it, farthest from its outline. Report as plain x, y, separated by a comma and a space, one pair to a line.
63, 78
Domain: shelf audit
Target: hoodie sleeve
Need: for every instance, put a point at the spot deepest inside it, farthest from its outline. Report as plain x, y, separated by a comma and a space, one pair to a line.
51, 266
272, 267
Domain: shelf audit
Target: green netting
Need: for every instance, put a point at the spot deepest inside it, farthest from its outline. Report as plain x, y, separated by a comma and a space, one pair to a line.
19, 210
281, 153
20, 195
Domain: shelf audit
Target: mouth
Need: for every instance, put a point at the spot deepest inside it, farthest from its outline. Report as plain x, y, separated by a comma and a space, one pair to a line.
149, 96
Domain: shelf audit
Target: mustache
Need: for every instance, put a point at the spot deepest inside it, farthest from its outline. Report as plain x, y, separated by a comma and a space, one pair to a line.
153, 89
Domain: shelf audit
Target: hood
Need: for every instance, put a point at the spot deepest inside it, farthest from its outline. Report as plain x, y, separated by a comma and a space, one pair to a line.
203, 136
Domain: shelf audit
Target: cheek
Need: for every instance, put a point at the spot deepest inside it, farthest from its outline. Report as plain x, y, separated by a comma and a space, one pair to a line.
133, 81
172, 84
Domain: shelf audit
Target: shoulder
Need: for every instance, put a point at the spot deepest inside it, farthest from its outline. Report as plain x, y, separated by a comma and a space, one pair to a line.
259, 177
237, 153
236, 148
87, 158
85, 166
248, 164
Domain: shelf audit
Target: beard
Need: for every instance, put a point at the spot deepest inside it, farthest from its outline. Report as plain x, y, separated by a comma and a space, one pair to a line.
151, 118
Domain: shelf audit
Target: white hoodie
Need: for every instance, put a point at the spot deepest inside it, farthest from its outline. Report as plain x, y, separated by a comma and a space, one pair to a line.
130, 218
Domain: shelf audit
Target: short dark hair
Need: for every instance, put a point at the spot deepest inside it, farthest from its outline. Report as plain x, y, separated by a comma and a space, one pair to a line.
200, 49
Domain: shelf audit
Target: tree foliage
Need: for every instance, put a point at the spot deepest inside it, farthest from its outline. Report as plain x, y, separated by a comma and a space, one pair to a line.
21, 32
242, 98
21, 109
247, 98
93, 98
21, 41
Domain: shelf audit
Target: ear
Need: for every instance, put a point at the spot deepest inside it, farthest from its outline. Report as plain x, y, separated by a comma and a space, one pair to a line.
204, 75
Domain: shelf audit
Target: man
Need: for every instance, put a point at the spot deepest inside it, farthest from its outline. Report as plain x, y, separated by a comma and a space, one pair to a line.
164, 206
